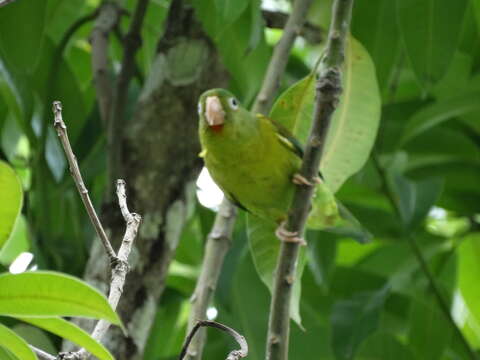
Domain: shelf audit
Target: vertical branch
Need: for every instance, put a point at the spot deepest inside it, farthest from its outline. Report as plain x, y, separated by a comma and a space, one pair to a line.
328, 89
132, 43
218, 243
107, 19
217, 246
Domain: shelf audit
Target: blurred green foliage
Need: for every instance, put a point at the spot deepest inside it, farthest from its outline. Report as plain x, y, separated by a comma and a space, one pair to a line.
421, 181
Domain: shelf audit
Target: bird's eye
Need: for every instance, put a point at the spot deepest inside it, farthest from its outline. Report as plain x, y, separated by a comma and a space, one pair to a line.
233, 103
199, 108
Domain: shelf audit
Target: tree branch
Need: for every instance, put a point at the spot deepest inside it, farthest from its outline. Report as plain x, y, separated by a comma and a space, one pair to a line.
132, 42
108, 17
61, 129
217, 247
118, 262
233, 355
277, 20
328, 90
271, 82
42, 355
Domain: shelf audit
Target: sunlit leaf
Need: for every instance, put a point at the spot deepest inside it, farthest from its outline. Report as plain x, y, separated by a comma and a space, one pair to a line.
47, 294
354, 123
15, 344
18, 242
72, 332
11, 198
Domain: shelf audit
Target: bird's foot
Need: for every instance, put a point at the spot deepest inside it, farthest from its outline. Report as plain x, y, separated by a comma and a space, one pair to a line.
289, 236
301, 180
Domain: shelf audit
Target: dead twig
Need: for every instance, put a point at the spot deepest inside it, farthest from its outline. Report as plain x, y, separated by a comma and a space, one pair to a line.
233, 355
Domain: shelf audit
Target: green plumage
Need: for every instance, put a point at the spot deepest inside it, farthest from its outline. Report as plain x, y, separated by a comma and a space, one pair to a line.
253, 160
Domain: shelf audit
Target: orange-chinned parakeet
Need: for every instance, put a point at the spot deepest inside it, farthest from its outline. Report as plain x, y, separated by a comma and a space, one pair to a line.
255, 161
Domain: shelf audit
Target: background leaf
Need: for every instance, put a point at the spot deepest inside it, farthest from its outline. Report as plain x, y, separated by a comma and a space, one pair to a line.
430, 43
11, 198
15, 344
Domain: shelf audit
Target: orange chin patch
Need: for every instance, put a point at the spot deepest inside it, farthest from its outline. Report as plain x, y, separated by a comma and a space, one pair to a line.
216, 128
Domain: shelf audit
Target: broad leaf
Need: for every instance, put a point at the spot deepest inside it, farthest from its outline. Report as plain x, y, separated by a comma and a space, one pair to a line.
429, 331
230, 10
354, 319
47, 294
436, 113
414, 199
354, 123
18, 242
430, 30
382, 346
20, 46
11, 198
469, 273
72, 332
265, 248
15, 344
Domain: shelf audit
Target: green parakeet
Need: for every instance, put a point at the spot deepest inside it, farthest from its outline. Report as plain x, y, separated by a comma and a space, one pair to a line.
255, 161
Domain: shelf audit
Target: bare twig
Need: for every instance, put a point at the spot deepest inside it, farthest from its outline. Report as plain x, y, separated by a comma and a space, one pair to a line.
6, 2
422, 262
42, 355
61, 129
108, 16
120, 268
271, 82
118, 263
277, 20
218, 245
233, 355
132, 42
328, 90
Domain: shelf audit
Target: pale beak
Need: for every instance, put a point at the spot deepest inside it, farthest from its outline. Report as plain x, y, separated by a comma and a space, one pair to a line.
214, 111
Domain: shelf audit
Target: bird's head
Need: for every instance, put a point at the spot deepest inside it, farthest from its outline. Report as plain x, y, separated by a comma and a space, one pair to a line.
217, 108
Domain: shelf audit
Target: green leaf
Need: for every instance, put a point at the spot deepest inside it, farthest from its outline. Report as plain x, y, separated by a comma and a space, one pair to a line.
18, 242
6, 355
20, 46
265, 247
15, 344
354, 123
72, 332
381, 346
354, 319
46, 294
468, 275
11, 198
439, 112
429, 331
322, 250
230, 10
374, 25
430, 31
414, 199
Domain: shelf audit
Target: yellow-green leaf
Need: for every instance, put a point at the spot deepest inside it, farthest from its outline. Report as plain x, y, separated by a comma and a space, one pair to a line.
10, 201
354, 124
15, 344
72, 332
47, 294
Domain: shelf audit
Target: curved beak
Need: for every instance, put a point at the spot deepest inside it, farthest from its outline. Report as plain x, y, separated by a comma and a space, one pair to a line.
214, 112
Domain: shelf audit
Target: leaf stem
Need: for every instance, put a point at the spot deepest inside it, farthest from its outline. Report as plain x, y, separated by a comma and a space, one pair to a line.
328, 90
